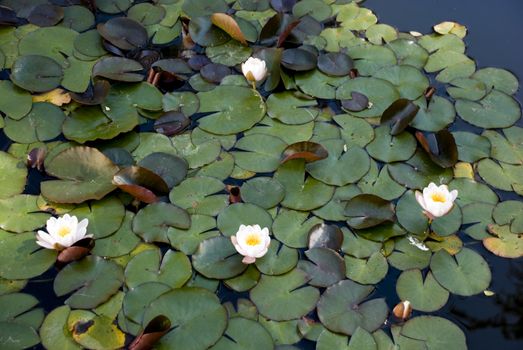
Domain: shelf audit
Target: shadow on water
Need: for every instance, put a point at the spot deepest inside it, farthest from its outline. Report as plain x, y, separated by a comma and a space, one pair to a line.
493, 40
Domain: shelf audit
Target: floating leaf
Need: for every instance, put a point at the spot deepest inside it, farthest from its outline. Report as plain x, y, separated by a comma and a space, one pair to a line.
228, 25
504, 242
92, 280
465, 273
279, 298
36, 73
85, 173
398, 115
342, 308
366, 210
325, 267
432, 332
118, 68
141, 183
309, 151
424, 294
153, 221
325, 236
197, 318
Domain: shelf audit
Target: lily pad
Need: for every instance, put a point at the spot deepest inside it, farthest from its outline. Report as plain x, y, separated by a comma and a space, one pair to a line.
174, 269
496, 110
424, 293
216, 258
279, 298
234, 109
290, 109
92, 280
301, 192
198, 195
187, 241
21, 257
36, 73
14, 102
259, 153
197, 318
432, 332
234, 215
265, 192
85, 173
152, 222
388, 148
342, 308
278, 260
466, 273
20, 213
13, 175
504, 243
343, 165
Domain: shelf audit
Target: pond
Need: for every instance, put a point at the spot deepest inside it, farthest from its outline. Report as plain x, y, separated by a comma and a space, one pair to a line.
158, 143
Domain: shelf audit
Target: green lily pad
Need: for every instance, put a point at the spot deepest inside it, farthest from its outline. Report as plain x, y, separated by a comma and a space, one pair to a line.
102, 332
407, 256
499, 79
339, 167
471, 191
357, 246
92, 280
366, 210
230, 54
264, 192
366, 271
477, 216
379, 34
418, 171
334, 210
198, 195
388, 148
288, 133
342, 308
504, 242
36, 73
152, 222
54, 330
279, 298
432, 332
467, 89
292, 227
325, 267
409, 81
13, 176
244, 334
379, 183
471, 147
86, 173
506, 147
451, 64
496, 110
234, 109
174, 269
216, 258
138, 298
301, 192
121, 242
20, 213
197, 318
14, 102
368, 59
234, 215
435, 115
317, 84
466, 273
21, 257
509, 212
247, 280
409, 52
278, 260
259, 153
500, 175
187, 241
196, 155
42, 123
105, 216
380, 93
290, 109
424, 294
354, 131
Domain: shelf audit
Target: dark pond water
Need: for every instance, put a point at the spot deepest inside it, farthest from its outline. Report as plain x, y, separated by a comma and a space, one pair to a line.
494, 40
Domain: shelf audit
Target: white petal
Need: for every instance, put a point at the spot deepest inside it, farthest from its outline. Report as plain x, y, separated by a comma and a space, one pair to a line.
261, 253
453, 195
248, 260
420, 199
44, 237
45, 244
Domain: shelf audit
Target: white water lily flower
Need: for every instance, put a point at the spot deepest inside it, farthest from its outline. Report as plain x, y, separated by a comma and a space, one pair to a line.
436, 201
252, 242
254, 69
417, 243
62, 232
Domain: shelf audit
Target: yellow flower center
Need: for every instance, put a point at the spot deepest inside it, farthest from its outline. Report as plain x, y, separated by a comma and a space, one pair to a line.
438, 197
253, 240
64, 231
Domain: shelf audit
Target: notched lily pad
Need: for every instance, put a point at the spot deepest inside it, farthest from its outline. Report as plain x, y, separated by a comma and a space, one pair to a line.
367, 210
